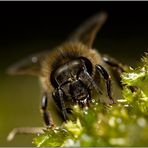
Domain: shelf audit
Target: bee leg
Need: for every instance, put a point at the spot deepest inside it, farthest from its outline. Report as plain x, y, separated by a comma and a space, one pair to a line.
59, 100
114, 63
107, 79
116, 66
24, 130
47, 119
120, 68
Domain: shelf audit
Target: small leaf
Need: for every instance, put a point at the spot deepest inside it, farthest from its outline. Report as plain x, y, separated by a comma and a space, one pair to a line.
52, 137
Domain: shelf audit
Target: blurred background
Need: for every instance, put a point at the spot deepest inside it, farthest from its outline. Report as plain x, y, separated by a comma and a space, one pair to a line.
29, 27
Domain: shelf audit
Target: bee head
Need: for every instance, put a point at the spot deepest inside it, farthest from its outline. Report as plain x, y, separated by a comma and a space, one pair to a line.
73, 79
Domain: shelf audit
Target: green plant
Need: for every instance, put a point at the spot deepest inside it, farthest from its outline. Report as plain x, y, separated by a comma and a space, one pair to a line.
122, 124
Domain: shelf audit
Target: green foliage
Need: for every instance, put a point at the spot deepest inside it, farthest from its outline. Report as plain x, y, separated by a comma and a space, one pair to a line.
122, 124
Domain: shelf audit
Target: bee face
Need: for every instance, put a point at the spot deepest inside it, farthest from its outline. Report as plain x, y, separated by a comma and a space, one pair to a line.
72, 79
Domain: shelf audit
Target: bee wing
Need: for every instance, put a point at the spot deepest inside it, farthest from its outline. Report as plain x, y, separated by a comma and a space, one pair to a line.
87, 31
28, 66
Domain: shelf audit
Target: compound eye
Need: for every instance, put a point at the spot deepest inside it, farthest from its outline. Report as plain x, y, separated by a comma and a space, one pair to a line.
59, 77
53, 81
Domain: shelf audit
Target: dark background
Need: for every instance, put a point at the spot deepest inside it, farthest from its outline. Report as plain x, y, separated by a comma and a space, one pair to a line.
41, 24
29, 27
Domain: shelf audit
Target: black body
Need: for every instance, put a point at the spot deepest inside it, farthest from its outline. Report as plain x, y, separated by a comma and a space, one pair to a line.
73, 83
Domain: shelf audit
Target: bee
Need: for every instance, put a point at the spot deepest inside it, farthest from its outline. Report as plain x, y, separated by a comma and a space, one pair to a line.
72, 72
